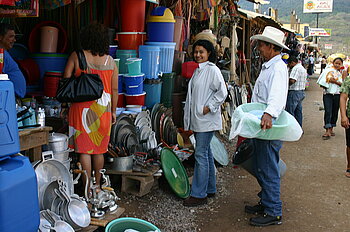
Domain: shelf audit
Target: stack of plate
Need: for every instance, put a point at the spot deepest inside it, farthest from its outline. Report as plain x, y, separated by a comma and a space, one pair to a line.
124, 136
163, 125
147, 136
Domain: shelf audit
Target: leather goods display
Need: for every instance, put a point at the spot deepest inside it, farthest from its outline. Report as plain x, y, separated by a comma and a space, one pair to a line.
86, 87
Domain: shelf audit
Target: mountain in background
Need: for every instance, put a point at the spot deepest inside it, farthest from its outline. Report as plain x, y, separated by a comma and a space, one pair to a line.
338, 21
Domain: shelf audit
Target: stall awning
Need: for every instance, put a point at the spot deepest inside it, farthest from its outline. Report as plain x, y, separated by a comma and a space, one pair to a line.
262, 2
288, 29
252, 15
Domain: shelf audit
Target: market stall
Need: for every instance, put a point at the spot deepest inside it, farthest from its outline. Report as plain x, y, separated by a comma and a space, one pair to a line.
151, 43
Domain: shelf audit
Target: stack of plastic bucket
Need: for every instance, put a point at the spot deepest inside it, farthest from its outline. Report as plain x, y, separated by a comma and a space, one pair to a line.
123, 55
167, 89
132, 33
19, 202
51, 80
153, 89
133, 83
49, 62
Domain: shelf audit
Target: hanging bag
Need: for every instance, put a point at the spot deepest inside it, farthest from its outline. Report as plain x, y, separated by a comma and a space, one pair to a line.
86, 87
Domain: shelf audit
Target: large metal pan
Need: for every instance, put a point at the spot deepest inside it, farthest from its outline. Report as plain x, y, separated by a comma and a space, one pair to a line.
50, 170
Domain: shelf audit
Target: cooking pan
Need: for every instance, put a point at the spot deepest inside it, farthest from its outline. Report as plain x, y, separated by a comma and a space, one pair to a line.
49, 170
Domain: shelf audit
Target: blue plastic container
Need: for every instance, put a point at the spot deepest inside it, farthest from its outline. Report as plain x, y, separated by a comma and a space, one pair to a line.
150, 60
153, 89
49, 62
123, 55
19, 204
113, 51
160, 32
120, 84
134, 66
133, 84
9, 142
166, 55
160, 25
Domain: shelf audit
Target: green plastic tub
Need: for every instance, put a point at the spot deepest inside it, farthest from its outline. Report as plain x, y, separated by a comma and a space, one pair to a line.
122, 224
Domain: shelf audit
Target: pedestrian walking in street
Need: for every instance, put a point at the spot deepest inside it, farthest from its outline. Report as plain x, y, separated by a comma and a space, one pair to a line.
310, 68
296, 94
202, 114
271, 88
331, 96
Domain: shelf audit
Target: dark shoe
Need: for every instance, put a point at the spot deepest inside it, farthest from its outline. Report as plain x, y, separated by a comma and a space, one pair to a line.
266, 220
256, 209
211, 195
194, 201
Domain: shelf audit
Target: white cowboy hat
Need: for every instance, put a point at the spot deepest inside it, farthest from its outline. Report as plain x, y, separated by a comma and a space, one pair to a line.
271, 35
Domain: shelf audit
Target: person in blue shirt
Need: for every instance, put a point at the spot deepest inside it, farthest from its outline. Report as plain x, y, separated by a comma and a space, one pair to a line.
7, 39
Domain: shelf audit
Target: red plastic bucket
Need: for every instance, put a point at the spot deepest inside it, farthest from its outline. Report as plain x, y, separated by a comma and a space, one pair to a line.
51, 80
30, 70
121, 100
133, 15
130, 40
188, 69
137, 99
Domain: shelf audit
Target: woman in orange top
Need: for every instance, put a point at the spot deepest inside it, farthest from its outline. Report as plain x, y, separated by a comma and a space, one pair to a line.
90, 122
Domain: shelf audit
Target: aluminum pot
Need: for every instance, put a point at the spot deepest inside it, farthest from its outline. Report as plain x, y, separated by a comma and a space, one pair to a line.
58, 142
62, 155
123, 164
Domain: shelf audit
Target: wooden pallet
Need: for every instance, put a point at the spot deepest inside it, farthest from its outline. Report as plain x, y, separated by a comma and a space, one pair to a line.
95, 223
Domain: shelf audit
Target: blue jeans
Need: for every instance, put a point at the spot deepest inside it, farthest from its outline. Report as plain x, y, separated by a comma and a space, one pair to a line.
331, 109
266, 158
294, 104
204, 180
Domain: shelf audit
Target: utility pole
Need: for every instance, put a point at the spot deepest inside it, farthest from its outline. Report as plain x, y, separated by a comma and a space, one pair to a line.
316, 24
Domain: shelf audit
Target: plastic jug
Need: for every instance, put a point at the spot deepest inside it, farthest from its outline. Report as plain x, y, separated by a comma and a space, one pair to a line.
9, 143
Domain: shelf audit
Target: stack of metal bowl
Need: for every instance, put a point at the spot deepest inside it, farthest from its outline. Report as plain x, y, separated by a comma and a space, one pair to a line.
58, 143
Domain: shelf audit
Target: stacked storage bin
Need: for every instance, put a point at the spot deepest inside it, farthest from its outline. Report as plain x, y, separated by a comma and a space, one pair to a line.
150, 67
19, 204
132, 35
160, 26
133, 83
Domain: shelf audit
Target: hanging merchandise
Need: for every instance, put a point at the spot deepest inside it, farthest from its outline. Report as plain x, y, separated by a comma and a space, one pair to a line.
53, 4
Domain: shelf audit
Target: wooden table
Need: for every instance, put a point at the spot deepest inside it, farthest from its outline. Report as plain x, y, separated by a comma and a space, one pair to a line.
32, 138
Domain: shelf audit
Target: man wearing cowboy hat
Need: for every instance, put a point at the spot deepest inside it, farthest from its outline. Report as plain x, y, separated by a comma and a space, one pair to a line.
271, 88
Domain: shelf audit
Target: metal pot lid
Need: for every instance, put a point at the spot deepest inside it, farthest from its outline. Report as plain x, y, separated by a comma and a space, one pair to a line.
175, 173
57, 137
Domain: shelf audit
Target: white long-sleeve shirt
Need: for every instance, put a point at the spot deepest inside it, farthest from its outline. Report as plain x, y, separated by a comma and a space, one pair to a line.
206, 88
271, 87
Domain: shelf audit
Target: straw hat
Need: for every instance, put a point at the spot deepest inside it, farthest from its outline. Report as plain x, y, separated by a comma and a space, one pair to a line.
206, 35
271, 35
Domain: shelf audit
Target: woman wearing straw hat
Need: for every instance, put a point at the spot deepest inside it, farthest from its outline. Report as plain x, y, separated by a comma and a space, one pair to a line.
202, 114
271, 88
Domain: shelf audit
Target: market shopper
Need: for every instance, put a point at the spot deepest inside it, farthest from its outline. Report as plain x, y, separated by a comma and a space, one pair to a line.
271, 89
90, 122
331, 95
296, 94
345, 115
202, 114
7, 39
310, 68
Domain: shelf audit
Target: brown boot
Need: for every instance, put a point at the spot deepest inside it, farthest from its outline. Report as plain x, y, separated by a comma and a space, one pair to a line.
194, 201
